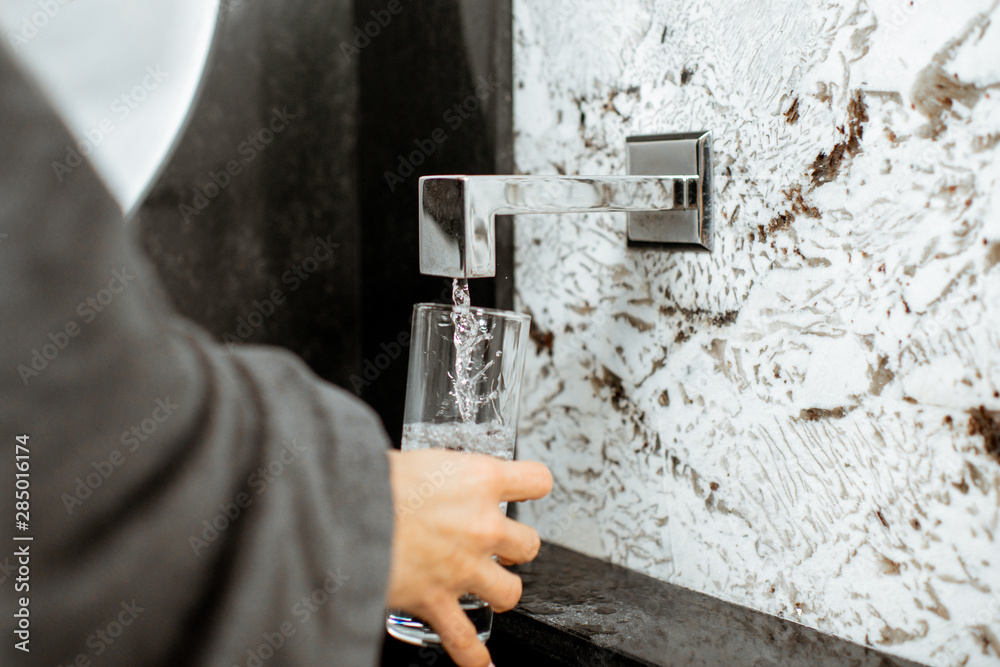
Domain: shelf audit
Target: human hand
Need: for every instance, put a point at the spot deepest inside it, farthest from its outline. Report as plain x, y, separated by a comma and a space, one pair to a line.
448, 526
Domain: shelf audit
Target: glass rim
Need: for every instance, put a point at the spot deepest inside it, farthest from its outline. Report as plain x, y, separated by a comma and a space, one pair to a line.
511, 315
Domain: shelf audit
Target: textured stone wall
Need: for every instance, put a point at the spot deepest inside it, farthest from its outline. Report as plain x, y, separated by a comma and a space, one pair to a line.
806, 421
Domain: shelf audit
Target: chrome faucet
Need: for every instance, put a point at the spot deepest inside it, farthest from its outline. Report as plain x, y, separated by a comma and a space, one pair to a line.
667, 195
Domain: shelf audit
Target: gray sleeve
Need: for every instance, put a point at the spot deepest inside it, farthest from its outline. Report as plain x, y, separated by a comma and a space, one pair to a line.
188, 506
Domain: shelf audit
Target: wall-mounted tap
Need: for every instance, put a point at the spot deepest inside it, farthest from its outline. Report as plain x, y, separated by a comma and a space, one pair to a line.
668, 195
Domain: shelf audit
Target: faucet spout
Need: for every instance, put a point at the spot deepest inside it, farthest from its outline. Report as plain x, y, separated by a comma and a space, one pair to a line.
457, 213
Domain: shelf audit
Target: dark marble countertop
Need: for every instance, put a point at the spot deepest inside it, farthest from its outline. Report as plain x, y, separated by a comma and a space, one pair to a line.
581, 611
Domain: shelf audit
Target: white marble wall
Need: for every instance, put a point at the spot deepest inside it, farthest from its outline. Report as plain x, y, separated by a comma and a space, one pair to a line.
784, 423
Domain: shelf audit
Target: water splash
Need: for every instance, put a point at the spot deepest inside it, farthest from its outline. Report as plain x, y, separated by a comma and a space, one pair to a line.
470, 333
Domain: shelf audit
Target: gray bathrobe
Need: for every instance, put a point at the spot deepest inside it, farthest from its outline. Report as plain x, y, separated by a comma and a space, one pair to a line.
187, 506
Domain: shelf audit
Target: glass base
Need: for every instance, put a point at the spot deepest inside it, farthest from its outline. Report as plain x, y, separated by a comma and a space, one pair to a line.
412, 630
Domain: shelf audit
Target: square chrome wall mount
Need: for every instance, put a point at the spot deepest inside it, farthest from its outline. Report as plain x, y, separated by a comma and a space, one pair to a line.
687, 155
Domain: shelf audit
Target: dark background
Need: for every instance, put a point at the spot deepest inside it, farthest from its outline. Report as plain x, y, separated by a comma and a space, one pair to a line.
360, 104
354, 108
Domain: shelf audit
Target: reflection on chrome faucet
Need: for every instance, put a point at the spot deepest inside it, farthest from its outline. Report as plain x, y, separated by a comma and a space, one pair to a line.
457, 237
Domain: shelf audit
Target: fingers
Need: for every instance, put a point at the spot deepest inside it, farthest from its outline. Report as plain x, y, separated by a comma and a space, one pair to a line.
518, 543
458, 635
523, 480
497, 586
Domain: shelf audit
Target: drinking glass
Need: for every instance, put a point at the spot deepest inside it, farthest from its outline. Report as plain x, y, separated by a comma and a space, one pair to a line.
462, 392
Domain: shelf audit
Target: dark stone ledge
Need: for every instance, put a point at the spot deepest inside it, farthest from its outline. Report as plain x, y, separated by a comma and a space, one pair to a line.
581, 611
